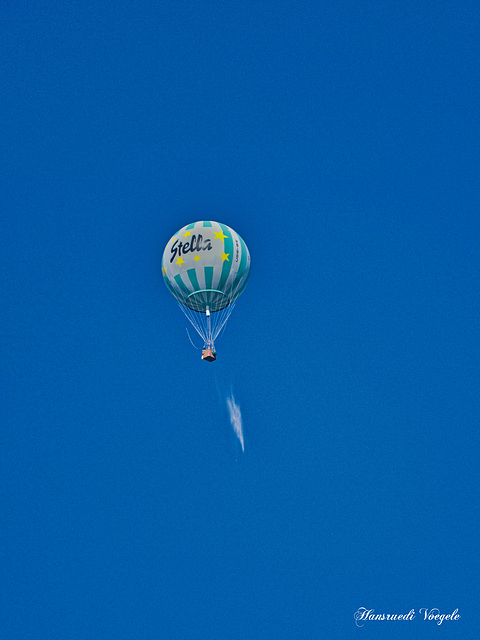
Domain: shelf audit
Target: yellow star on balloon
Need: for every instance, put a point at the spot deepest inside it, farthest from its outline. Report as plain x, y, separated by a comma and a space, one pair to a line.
187, 233
197, 258
224, 256
220, 235
164, 270
180, 261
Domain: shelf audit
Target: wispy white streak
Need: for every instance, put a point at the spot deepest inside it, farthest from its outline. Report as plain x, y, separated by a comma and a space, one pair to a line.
235, 418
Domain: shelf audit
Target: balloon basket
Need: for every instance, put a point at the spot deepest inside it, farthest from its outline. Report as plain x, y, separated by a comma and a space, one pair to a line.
209, 355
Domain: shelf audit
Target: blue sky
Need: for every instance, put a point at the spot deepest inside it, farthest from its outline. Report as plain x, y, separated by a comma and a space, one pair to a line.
341, 141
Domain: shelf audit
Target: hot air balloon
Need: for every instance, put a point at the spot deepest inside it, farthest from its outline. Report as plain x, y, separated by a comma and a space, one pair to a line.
206, 266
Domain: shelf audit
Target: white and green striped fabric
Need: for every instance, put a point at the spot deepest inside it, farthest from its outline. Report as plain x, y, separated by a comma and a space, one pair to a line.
206, 266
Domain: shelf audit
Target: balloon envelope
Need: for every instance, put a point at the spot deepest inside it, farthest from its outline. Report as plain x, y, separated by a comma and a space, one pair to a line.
206, 266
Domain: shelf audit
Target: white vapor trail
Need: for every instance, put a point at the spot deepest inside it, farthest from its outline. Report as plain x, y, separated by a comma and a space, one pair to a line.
235, 418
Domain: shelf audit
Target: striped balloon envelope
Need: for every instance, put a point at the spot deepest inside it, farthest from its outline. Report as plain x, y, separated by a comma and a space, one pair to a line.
206, 266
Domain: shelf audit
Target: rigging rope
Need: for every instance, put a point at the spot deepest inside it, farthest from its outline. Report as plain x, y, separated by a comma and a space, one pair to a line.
188, 334
210, 326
